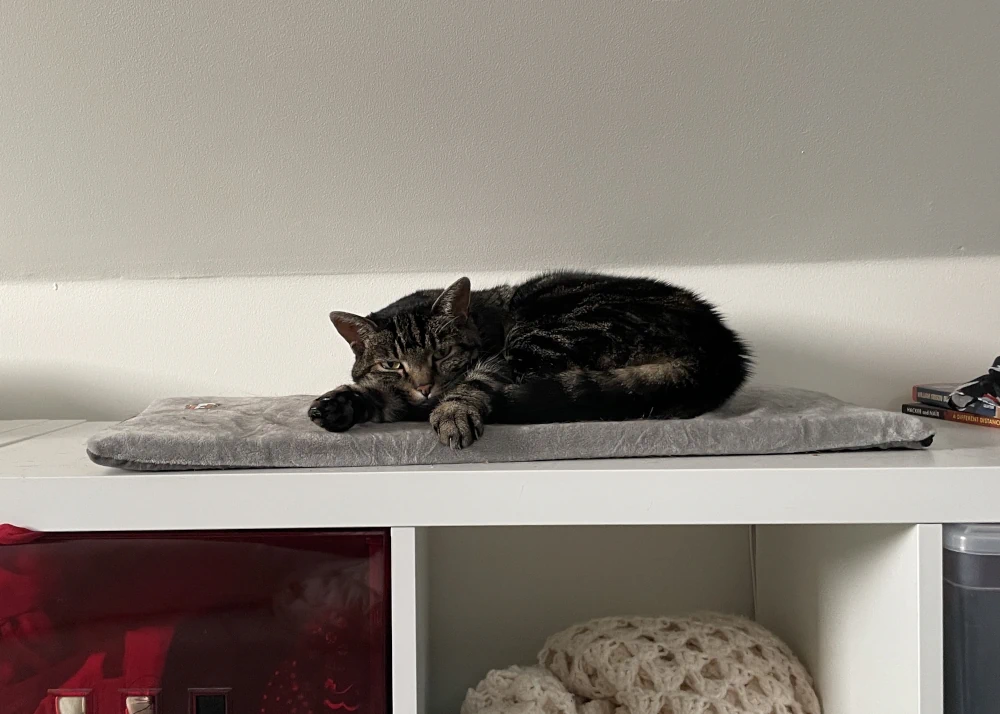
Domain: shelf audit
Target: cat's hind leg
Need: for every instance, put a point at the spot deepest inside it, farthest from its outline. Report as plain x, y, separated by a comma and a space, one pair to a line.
664, 388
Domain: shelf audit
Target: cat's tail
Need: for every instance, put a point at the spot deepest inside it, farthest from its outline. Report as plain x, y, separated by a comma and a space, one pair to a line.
672, 388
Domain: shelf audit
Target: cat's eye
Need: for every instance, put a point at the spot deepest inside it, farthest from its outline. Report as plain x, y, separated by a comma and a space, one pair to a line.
391, 365
445, 354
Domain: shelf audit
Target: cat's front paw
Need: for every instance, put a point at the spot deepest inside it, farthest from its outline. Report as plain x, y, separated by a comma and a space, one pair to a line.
456, 423
338, 410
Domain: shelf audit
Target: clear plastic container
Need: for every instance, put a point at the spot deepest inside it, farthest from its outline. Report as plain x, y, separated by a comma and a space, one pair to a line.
207, 623
972, 619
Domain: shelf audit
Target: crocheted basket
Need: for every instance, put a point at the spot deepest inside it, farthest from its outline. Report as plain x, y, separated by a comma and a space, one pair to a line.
705, 663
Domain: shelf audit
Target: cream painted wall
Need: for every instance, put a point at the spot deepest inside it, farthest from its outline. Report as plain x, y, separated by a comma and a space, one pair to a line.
251, 137
863, 331
270, 143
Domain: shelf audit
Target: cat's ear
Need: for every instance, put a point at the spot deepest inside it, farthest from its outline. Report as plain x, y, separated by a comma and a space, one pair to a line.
352, 328
454, 301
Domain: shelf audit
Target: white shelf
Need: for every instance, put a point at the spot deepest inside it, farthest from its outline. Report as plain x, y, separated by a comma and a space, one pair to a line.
838, 594
13, 432
861, 605
48, 483
842, 595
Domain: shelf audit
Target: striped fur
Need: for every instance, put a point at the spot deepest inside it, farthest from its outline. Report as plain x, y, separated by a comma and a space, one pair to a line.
559, 347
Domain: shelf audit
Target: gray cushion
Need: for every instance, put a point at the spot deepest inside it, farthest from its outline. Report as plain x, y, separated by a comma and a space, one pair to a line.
261, 432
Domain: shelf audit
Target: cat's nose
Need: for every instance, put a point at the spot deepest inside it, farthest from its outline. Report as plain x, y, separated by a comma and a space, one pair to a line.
425, 389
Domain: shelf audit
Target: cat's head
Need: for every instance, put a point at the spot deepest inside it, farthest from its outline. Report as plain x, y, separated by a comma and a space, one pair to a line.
423, 350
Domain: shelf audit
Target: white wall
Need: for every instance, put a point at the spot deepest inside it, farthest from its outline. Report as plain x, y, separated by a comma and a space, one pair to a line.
104, 349
193, 138
265, 143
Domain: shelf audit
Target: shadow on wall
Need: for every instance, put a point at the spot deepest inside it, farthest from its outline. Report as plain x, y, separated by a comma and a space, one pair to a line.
29, 391
868, 380
78, 391
500, 136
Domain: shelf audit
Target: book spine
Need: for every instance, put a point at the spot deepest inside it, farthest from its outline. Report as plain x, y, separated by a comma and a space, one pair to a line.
928, 395
940, 397
938, 412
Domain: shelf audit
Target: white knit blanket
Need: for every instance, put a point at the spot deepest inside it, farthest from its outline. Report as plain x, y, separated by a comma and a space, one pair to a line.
702, 664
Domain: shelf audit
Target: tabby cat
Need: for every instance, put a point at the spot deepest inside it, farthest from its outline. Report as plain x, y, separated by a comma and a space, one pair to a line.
559, 347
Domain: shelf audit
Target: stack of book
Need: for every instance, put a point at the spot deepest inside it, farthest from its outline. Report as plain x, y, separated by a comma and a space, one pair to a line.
940, 401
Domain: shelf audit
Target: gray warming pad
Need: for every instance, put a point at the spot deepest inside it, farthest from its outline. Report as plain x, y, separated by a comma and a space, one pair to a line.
275, 432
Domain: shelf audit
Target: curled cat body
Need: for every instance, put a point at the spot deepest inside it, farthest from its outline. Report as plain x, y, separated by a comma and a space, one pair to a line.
559, 347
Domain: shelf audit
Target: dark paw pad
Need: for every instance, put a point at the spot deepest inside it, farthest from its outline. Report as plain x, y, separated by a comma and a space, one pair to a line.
457, 424
336, 410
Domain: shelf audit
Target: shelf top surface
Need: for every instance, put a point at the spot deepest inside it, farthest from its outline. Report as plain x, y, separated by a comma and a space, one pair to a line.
47, 482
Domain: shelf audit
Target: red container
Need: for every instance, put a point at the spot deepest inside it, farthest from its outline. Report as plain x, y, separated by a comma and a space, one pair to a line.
194, 623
